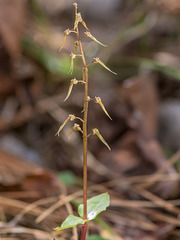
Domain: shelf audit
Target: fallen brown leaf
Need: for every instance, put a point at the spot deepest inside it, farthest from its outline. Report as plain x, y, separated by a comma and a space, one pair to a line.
21, 179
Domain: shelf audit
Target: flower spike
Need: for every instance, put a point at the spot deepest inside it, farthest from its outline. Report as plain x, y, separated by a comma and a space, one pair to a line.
98, 100
97, 60
88, 34
96, 132
73, 81
76, 127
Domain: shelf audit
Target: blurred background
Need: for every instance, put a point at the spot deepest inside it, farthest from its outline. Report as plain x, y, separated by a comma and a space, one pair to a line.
143, 100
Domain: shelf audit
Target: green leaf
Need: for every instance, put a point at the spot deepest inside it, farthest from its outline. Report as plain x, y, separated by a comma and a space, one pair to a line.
71, 221
95, 237
95, 205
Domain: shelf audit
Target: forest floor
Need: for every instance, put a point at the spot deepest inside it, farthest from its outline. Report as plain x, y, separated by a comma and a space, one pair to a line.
40, 173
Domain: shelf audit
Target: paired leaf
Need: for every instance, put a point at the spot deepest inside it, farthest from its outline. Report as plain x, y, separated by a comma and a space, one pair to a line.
98, 100
97, 133
97, 60
95, 205
88, 34
71, 221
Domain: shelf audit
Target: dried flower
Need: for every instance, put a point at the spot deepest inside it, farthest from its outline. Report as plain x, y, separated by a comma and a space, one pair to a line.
73, 81
76, 127
88, 34
66, 33
97, 60
97, 133
98, 100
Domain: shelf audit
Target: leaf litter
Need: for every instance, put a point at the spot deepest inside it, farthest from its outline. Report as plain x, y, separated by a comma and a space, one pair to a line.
135, 173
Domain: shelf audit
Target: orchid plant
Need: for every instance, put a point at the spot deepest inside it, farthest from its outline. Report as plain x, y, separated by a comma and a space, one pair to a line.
95, 205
